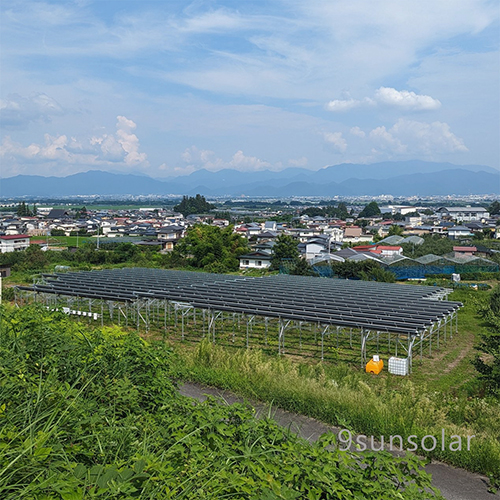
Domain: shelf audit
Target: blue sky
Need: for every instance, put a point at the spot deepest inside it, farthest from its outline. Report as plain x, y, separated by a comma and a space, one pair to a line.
168, 87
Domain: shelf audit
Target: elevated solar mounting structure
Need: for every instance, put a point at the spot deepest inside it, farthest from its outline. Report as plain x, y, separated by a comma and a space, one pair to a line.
412, 313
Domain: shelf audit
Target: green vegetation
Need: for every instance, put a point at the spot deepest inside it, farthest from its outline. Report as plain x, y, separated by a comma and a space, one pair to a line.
443, 392
340, 211
433, 244
284, 249
488, 364
367, 270
24, 210
494, 208
94, 414
193, 205
211, 248
370, 210
339, 395
395, 230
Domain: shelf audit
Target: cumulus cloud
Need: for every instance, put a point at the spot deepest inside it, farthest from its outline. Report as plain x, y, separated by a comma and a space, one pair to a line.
357, 132
107, 149
417, 138
429, 138
17, 112
204, 158
387, 96
386, 141
336, 140
406, 99
341, 105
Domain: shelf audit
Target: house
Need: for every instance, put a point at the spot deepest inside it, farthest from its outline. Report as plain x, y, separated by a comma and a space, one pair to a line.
413, 221
14, 243
354, 234
464, 251
255, 260
380, 250
388, 250
270, 225
314, 247
459, 232
464, 214
58, 213
170, 235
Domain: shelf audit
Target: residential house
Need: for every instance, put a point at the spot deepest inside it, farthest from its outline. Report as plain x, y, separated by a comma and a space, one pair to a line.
464, 214
255, 260
170, 235
464, 251
459, 232
14, 242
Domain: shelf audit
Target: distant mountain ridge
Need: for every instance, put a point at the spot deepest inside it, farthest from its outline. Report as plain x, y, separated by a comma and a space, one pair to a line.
394, 178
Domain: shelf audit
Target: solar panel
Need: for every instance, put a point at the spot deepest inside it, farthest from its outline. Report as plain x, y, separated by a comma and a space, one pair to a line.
345, 303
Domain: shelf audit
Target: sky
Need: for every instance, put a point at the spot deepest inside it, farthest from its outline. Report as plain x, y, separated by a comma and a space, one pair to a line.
165, 88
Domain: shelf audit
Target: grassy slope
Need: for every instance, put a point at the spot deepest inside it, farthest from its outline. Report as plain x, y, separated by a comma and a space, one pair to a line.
439, 394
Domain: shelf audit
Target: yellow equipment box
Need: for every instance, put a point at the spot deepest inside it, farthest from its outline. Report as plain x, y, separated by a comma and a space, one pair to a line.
375, 365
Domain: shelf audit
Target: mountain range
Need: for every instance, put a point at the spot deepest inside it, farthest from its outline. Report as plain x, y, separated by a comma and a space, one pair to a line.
393, 178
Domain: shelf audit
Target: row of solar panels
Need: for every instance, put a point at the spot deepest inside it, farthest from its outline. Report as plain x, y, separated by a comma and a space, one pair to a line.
357, 304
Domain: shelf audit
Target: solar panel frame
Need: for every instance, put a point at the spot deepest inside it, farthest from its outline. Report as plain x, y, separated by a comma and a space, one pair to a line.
371, 305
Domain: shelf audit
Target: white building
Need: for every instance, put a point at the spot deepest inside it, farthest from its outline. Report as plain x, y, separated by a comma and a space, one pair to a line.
464, 214
14, 243
255, 260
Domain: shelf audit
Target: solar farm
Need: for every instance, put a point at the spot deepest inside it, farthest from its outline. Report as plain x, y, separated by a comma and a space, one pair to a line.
296, 315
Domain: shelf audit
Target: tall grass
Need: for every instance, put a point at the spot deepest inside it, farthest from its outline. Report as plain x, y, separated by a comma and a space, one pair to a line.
340, 396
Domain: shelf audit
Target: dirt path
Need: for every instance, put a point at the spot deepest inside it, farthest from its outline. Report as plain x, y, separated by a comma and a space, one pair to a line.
455, 484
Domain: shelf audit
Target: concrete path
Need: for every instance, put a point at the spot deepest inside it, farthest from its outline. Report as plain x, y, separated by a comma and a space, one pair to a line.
454, 484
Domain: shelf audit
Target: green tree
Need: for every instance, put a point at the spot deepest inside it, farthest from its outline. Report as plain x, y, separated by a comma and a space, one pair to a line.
395, 230
284, 249
370, 210
211, 248
367, 270
193, 205
23, 210
494, 208
488, 362
303, 268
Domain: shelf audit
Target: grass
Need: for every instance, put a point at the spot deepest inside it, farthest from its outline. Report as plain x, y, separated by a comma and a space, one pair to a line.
441, 393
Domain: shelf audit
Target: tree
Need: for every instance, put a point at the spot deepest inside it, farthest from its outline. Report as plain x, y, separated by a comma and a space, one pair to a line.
395, 230
193, 205
23, 210
211, 248
488, 363
370, 210
302, 268
494, 208
284, 249
367, 270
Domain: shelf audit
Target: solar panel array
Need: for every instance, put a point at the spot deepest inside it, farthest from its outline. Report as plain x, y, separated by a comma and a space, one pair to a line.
351, 304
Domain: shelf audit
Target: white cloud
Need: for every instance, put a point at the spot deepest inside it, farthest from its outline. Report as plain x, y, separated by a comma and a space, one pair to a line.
248, 163
408, 137
387, 96
428, 138
298, 162
105, 150
386, 141
196, 159
406, 99
341, 105
17, 111
336, 140
357, 132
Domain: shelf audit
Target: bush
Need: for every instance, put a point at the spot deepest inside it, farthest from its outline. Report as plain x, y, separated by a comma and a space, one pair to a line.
94, 414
